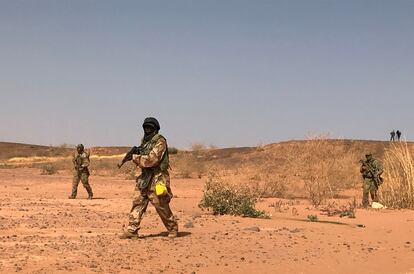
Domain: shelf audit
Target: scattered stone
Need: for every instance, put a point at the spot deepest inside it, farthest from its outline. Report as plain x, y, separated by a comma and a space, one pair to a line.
189, 225
196, 215
253, 228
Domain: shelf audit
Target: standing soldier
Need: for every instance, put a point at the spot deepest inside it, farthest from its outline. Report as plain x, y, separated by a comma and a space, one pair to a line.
153, 185
371, 171
81, 173
392, 133
398, 134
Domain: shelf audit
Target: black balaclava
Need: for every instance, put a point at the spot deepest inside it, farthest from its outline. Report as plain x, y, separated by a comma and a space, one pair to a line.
153, 123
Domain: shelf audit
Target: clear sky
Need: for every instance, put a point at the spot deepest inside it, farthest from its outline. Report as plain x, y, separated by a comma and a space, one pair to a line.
228, 73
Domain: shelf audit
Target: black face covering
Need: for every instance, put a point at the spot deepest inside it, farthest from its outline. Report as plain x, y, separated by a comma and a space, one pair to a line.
149, 132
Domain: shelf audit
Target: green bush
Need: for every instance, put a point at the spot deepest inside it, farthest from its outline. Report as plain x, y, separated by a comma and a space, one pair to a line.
224, 198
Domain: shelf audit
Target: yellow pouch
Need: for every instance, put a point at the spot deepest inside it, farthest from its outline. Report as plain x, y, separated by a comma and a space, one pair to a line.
160, 188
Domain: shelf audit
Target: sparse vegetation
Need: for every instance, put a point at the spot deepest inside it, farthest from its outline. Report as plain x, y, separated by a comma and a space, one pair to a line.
198, 147
172, 150
312, 218
267, 186
48, 169
225, 198
397, 191
189, 165
333, 209
327, 169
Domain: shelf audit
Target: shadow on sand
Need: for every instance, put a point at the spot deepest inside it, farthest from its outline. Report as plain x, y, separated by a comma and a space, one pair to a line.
322, 221
98, 198
164, 234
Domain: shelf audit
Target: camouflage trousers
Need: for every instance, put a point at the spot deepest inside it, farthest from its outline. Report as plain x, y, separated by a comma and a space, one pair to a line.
369, 188
81, 177
161, 204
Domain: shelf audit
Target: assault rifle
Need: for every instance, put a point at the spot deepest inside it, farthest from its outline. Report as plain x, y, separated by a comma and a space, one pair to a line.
128, 156
375, 175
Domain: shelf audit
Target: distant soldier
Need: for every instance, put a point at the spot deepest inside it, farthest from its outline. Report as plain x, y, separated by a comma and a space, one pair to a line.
81, 173
153, 185
398, 135
392, 133
371, 170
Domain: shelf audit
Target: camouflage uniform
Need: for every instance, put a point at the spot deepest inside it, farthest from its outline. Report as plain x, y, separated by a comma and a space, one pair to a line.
154, 163
371, 170
81, 173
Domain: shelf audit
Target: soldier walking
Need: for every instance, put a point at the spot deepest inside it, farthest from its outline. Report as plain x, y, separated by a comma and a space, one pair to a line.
153, 185
81, 173
371, 170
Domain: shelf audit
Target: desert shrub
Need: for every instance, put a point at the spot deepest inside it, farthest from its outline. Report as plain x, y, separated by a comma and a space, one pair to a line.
318, 191
65, 145
198, 147
48, 169
267, 186
333, 209
326, 168
397, 191
172, 150
224, 198
188, 166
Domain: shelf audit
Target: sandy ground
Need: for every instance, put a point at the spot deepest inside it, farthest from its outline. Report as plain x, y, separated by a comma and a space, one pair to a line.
41, 231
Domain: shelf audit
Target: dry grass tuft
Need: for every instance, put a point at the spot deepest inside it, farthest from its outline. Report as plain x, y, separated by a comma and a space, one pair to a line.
48, 169
397, 191
326, 168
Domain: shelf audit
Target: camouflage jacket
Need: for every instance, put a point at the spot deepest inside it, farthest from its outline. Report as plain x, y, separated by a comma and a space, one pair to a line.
81, 161
153, 161
371, 168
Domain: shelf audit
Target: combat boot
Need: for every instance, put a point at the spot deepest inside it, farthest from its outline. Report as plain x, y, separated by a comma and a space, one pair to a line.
128, 235
173, 234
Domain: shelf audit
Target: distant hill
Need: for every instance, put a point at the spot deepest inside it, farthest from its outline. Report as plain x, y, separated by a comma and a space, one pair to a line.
9, 150
308, 168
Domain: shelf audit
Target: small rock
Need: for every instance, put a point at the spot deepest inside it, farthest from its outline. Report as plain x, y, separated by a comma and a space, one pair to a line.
253, 228
196, 215
189, 225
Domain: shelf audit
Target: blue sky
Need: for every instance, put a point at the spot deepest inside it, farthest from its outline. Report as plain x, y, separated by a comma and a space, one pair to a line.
228, 73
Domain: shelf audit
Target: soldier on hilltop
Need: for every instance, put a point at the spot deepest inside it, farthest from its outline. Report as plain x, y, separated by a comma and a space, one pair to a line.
392, 133
398, 135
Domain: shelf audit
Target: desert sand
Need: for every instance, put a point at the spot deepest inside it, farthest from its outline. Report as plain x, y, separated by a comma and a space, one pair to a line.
41, 231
